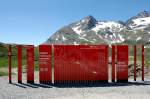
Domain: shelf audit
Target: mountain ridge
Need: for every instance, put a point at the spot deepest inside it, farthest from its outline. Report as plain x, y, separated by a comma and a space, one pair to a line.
89, 30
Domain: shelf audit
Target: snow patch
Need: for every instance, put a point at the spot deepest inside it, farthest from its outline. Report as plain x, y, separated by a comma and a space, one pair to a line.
109, 24
77, 30
121, 38
138, 38
83, 38
75, 43
140, 23
63, 38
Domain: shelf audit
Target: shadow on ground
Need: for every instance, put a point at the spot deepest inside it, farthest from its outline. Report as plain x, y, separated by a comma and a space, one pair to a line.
37, 85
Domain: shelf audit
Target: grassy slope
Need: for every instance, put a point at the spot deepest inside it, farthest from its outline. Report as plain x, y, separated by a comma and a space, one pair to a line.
4, 59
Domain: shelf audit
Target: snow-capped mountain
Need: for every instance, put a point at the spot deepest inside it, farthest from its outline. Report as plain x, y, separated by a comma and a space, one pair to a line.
90, 31
141, 21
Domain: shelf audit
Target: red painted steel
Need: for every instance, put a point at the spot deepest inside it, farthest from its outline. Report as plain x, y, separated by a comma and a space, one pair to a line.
94, 62
80, 64
9, 63
45, 63
66, 63
122, 63
135, 52
19, 47
142, 62
30, 63
113, 62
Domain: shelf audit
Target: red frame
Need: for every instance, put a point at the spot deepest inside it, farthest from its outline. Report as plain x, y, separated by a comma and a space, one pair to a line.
30, 63
9, 63
19, 47
135, 58
142, 62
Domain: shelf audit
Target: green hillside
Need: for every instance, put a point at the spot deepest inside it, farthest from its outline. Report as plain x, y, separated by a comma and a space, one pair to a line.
4, 58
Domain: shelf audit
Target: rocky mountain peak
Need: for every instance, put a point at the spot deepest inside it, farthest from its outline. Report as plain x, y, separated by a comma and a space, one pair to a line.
90, 31
89, 18
142, 14
86, 23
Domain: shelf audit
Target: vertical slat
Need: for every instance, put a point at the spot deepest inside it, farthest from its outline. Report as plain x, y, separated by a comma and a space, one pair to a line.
19, 47
113, 62
142, 62
135, 58
9, 63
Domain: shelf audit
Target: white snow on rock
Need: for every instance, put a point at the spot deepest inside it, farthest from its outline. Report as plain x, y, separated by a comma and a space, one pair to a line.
140, 23
77, 30
108, 24
121, 38
139, 38
83, 38
63, 38
75, 43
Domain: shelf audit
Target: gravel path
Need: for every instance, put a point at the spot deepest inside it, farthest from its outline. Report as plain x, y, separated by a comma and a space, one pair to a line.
132, 90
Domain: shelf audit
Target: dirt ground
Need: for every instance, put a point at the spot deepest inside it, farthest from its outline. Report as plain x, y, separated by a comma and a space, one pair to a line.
131, 90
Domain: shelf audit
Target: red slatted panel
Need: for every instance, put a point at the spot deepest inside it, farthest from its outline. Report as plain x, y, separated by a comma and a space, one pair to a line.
19, 63
45, 63
66, 63
30, 63
104, 63
80, 64
122, 63
113, 62
58, 63
94, 62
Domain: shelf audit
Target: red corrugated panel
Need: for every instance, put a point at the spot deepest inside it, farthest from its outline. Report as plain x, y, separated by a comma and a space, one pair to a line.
113, 62
30, 63
45, 63
19, 47
122, 63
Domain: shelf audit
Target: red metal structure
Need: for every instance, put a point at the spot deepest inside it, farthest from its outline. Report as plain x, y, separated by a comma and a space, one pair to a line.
94, 63
122, 63
30, 63
9, 63
45, 64
142, 62
19, 47
135, 62
113, 56
76, 64
80, 64
66, 62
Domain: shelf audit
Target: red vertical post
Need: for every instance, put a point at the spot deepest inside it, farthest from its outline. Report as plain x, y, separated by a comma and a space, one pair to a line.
30, 63
142, 62
19, 47
9, 62
113, 63
135, 63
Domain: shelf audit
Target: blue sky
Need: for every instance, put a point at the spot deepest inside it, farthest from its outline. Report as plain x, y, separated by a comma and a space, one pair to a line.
33, 21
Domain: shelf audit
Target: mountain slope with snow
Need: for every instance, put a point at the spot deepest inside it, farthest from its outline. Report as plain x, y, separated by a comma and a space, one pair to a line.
90, 31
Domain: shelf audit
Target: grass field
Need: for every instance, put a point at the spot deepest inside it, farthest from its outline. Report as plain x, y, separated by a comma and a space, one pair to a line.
4, 59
